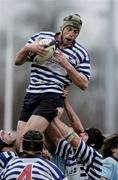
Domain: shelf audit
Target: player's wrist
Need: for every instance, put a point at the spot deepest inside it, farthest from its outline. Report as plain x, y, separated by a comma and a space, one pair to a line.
68, 67
70, 135
27, 48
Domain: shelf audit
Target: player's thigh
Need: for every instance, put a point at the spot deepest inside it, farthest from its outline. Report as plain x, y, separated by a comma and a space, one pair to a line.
36, 122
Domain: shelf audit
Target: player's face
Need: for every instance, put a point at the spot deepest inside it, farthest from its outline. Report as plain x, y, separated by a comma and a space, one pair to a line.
6, 137
69, 35
115, 152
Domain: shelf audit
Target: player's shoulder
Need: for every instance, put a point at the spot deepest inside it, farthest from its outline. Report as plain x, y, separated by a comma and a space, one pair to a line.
41, 35
8, 154
109, 160
83, 146
80, 47
44, 34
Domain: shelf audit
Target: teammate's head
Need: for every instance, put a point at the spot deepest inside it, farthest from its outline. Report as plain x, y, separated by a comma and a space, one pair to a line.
110, 146
95, 138
72, 20
6, 140
32, 142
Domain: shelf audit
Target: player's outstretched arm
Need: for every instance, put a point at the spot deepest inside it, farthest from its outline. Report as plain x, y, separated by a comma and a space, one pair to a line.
67, 132
54, 135
73, 117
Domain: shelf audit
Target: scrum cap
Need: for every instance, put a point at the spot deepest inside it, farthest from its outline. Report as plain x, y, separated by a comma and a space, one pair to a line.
32, 142
72, 20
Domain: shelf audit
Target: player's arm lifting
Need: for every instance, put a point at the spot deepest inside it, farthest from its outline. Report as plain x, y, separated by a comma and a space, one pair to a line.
73, 117
53, 133
78, 79
21, 56
67, 132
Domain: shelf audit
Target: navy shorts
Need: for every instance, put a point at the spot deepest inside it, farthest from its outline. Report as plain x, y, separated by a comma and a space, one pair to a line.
41, 104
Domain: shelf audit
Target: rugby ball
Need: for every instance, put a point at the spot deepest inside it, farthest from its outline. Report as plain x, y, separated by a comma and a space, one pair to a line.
50, 46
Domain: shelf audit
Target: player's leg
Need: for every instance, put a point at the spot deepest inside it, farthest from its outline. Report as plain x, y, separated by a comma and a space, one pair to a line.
44, 114
36, 122
26, 111
38, 112
19, 134
40, 123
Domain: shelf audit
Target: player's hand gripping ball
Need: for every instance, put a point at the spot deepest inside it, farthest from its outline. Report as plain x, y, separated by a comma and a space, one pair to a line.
50, 46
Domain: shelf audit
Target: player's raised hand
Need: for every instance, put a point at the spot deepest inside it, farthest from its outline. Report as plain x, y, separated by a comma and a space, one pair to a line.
65, 93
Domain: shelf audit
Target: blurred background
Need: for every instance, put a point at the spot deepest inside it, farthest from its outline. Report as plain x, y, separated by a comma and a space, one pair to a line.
19, 19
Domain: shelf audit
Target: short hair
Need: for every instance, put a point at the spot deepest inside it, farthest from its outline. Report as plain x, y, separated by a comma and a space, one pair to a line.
95, 138
110, 143
32, 142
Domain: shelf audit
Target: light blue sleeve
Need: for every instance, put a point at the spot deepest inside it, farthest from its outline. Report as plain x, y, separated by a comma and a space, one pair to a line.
108, 167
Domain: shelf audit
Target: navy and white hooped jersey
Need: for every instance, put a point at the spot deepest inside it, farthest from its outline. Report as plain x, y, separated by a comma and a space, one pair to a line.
5, 157
31, 169
51, 76
81, 163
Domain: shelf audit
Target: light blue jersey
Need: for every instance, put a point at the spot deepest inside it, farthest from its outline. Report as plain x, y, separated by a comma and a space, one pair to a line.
60, 162
110, 168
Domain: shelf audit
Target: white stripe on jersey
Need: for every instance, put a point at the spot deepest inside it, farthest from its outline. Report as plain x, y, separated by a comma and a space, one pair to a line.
84, 159
40, 169
50, 72
5, 157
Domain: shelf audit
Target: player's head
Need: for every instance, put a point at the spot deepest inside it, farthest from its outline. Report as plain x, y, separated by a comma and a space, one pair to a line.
72, 20
95, 138
32, 142
110, 146
6, 140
